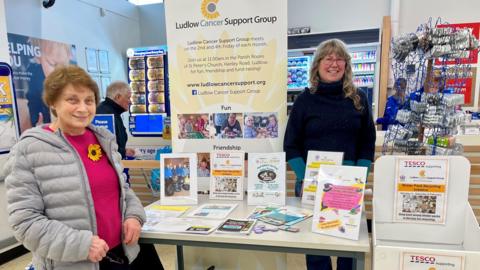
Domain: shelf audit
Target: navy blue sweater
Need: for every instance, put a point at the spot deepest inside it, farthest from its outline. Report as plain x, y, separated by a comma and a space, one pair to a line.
327, 121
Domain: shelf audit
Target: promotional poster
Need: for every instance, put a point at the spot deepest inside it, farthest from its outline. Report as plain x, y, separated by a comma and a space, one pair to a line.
227, 65
266, 179
32, 60
339, 201
227, 177
421, 187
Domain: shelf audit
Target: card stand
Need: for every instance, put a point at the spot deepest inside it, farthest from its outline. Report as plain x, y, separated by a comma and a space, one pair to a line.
458, 237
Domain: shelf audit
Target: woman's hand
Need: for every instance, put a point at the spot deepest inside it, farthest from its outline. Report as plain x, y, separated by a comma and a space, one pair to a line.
98, 249
131, 229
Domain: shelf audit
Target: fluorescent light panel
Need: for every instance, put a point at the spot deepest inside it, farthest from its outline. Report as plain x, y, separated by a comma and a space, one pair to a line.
145, 2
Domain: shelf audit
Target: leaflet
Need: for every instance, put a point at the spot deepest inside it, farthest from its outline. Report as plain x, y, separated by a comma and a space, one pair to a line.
184, 225
421, 188
266, 178
227, 176
339, 201
314, 160
213, 210
287, 215
156, 212
236, 226
261, 211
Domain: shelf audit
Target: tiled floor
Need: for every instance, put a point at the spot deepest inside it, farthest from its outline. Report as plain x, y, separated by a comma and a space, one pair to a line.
168, 256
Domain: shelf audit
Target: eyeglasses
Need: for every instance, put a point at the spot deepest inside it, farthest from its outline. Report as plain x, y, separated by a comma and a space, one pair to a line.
329, 61
111, 257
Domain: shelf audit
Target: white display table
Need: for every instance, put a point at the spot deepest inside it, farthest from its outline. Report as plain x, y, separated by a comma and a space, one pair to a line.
304, 242
459, 237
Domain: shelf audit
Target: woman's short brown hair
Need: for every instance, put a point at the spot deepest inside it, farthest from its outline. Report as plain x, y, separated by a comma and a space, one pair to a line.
61, 77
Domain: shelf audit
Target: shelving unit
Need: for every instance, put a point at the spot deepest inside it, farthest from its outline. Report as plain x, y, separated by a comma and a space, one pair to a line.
364, 67
147, 70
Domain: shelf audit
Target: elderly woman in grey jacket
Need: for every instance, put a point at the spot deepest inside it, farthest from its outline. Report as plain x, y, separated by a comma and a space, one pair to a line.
67, 198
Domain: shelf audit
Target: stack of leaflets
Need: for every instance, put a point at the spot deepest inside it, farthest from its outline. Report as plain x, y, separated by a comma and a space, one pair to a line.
156, 212
236, 226
184, 225
287, 215
213, 210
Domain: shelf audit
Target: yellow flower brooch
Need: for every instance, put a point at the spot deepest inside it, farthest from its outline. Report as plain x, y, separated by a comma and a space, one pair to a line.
94, 152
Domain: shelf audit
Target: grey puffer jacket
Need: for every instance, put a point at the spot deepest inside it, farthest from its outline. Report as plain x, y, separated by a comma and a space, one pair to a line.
50, 205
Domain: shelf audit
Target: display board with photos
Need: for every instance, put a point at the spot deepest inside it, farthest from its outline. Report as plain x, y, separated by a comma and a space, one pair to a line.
178, 179
339, 201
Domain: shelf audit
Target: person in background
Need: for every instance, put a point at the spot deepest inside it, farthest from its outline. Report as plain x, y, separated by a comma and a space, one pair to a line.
394, 103
116, 103
331, 115
68, 201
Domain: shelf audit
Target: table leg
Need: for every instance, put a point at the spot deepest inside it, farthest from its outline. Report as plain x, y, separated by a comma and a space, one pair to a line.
180, 265
359, 261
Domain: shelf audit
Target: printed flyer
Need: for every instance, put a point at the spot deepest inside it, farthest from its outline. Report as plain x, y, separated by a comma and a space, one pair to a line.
266, 179
314, 160
422, 261
339, 201
421, 187
227, 62
226, 178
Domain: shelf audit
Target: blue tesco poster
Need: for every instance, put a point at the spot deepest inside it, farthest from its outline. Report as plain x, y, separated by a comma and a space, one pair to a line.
105, 120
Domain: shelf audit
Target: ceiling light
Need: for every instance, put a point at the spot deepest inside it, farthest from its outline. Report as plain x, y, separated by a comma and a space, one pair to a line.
145, 2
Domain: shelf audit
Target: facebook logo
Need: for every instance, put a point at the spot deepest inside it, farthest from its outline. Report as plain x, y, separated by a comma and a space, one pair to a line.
194, 92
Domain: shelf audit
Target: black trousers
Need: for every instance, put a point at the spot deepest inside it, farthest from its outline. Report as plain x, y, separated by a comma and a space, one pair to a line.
147, 259
115, 260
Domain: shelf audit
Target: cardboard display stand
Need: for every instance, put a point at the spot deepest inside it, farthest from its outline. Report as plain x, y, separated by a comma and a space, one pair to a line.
402, 246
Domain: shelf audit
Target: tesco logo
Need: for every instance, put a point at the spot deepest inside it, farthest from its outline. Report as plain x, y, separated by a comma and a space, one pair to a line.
422, 259
414, 163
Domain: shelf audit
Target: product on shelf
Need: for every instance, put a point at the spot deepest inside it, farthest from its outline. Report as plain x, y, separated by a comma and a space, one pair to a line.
138, 108
155, 74
136, 63
156, 97
156, 85
138, 86
137, 75
137, 99
155, 61
156, 108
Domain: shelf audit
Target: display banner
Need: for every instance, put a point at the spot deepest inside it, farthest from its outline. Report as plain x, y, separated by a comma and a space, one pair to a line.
227, 65
32, 60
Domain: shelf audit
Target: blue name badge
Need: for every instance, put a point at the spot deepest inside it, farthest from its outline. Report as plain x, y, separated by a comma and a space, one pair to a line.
105, 120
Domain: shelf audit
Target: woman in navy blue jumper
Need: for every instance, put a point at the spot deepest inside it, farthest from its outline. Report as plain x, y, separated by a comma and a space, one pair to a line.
331, 115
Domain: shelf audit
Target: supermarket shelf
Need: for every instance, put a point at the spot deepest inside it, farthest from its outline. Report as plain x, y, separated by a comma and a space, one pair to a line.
370, 85
355, 73
295, 90
364, 61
